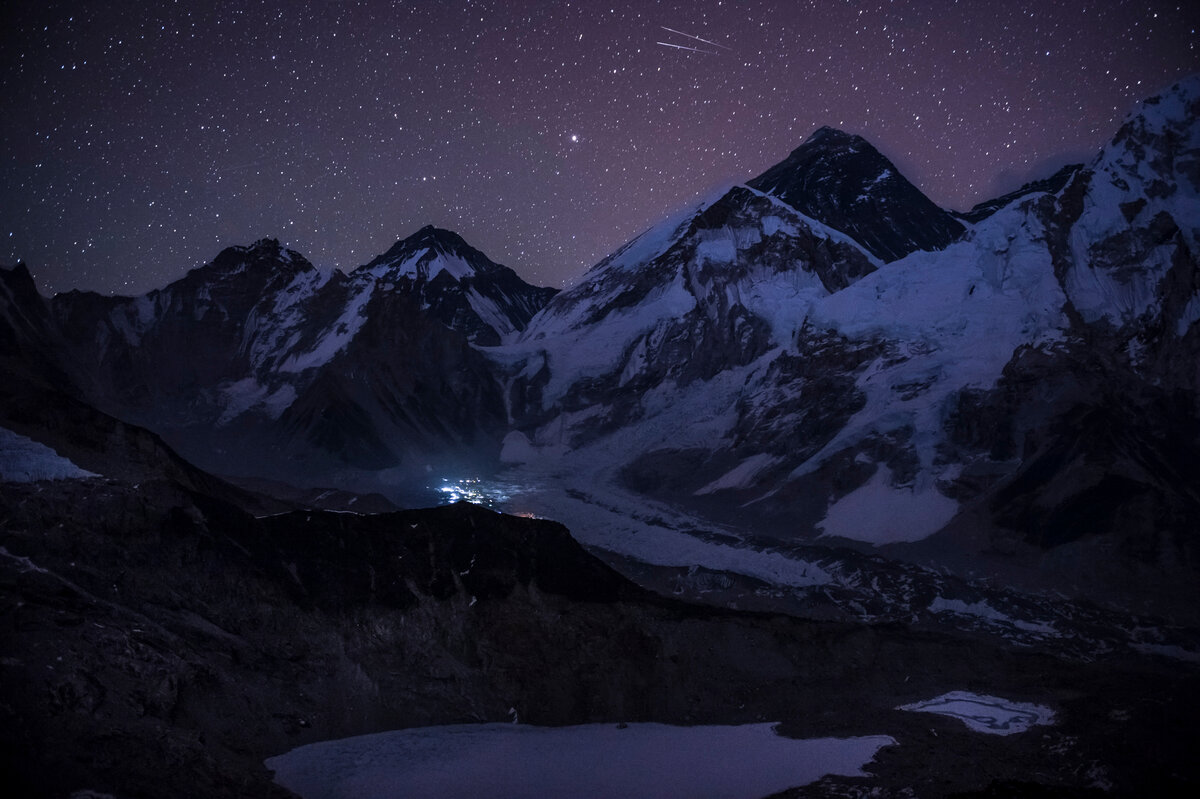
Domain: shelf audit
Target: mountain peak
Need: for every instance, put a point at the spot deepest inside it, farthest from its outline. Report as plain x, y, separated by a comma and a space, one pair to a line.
1161, 130
427, 245
460, 285
266, 243
431, 235
266, 256
827, 134
840, 179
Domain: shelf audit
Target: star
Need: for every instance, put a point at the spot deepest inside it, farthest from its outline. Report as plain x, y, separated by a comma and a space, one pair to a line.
137, 129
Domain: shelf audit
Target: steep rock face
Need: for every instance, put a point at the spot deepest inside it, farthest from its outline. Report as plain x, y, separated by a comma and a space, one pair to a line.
407, 390
31, 347
841, 180
25, 324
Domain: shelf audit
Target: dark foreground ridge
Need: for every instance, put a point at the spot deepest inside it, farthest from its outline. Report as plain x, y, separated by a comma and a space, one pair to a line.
158, 641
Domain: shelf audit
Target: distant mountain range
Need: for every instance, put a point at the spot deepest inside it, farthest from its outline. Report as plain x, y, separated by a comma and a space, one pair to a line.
820, 352
259, 364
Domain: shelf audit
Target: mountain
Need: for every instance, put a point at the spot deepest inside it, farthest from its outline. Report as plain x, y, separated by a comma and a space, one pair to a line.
840, 179
459, 285
674, 306
260, 364
1023, 402
819, 357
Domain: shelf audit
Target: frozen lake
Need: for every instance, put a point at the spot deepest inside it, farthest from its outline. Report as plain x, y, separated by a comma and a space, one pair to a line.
987, 714
591, 761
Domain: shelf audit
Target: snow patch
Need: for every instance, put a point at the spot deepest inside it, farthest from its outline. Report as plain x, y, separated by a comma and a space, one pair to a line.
742, 475
983, 610
419, 265
23, 460
336, 337
516, 448
488, 311
880, 513
577, 353
722, 250
247, 394
588, 761
1191, 312
819, 229
986, 714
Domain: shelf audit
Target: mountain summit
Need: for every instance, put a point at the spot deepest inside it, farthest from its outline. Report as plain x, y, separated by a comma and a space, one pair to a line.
430, 244
841, 180
457, 284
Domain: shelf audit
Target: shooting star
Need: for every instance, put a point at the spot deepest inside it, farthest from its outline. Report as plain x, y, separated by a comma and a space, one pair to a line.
691, 49
690, 36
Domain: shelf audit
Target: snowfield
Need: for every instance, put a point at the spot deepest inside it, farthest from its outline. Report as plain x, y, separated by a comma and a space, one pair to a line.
510, 761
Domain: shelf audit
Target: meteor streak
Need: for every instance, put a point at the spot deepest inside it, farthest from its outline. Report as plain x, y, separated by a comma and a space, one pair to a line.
681, 47
690, 36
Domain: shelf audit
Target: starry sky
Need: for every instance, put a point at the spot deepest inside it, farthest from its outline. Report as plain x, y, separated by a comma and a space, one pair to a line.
140, 138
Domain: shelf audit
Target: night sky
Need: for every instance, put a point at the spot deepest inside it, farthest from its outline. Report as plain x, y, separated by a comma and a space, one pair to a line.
140, 138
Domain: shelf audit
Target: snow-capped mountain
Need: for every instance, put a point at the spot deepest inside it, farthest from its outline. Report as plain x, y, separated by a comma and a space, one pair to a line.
260, 363
459, 285
1031, 388
673, 307
821, 353
841, 180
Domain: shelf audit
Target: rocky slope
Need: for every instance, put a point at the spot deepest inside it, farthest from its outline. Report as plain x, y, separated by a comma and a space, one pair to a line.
156, 641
